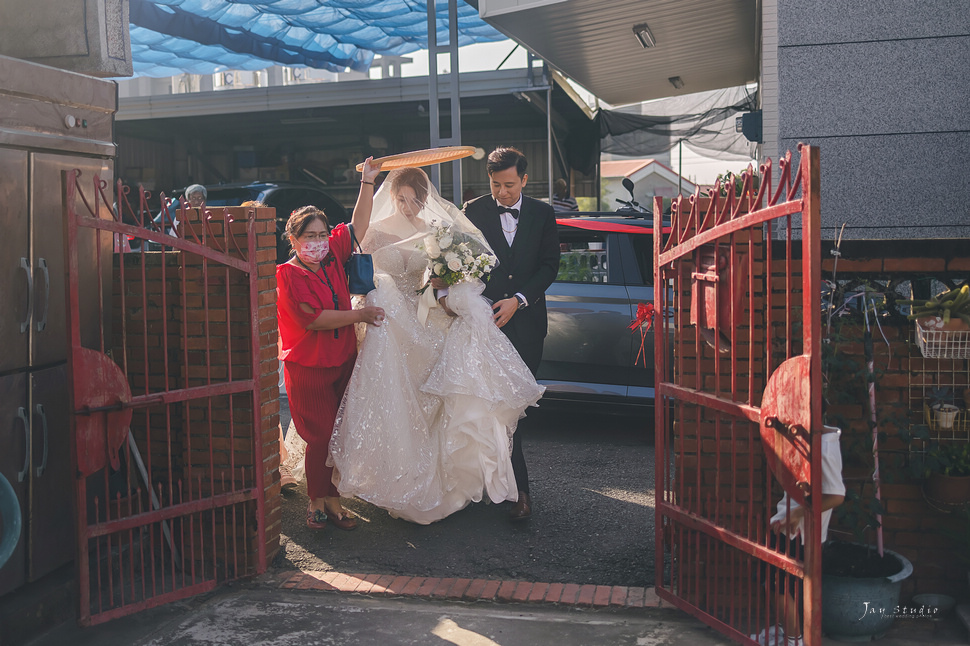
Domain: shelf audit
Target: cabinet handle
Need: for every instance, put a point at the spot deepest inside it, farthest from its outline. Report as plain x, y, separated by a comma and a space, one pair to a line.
43, 424
30, 295
22, 474
42, 323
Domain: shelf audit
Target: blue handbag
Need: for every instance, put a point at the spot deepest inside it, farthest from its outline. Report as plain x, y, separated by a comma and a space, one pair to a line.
359, 268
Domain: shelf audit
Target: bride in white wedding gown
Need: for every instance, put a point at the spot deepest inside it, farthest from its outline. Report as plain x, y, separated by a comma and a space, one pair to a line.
426, 423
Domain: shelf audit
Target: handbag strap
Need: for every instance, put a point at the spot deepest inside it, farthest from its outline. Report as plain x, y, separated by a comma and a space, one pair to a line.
354, 245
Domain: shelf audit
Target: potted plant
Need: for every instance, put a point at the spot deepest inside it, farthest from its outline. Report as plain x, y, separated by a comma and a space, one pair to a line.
861, 582
946, 467
941, 408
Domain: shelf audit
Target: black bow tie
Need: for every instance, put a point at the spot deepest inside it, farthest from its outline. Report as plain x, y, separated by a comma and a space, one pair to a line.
513, 212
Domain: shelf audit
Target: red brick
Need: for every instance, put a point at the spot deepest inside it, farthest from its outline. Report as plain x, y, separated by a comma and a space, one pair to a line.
522, 591
570, 593
367, 583
650, 598
306, 582
634, 597
538, 592
586, 593
506, 590
555, 592
346, 583
443, 588
397, 585
382, 584
457, 590
474, 589
488, 592
618, 597
602, 595
428, 586
413, 585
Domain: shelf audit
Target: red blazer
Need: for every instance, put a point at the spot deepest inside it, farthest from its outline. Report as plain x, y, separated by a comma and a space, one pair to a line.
296, 285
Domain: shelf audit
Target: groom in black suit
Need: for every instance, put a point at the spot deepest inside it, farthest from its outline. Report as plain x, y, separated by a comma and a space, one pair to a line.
522, 233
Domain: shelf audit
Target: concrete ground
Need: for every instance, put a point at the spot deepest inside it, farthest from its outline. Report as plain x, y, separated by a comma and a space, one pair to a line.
264, 612
320, 600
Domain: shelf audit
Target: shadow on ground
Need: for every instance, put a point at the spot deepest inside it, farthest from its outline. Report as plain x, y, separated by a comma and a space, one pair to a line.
592, 480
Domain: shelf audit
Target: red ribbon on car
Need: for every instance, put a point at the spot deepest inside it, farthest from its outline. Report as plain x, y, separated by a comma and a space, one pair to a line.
645, 314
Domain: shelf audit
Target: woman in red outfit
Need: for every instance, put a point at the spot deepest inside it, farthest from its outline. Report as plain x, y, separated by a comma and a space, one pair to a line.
316, 324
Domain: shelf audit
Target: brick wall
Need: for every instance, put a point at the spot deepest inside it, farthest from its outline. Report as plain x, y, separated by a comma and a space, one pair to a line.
912, 526
204, 446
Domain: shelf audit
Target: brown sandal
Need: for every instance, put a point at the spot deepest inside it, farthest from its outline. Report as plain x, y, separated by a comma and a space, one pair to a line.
316, 519
347, 523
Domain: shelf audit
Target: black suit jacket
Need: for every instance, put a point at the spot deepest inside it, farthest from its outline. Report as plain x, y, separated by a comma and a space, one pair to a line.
529, 267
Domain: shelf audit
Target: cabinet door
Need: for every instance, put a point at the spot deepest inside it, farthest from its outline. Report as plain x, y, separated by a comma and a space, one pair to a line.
51, 526
48, 332
13, 456
14, 260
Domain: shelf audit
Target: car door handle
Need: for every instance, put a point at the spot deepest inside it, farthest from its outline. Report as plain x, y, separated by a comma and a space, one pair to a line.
30, 295
42, 264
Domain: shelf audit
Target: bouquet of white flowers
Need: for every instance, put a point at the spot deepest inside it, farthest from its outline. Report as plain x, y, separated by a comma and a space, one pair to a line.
454, 256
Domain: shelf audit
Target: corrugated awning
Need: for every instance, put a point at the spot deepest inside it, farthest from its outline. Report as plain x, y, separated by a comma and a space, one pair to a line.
170, 37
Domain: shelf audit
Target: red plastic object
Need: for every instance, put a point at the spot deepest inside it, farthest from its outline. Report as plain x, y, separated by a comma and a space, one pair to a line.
785, 422
101, 432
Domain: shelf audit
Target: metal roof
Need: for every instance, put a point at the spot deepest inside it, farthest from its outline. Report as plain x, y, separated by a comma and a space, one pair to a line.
708, 44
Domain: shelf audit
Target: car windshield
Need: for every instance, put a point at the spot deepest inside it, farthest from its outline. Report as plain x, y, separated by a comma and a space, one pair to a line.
230, 196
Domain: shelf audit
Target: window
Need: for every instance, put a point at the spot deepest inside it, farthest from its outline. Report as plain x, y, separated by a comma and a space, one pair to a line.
643, 250
583, 257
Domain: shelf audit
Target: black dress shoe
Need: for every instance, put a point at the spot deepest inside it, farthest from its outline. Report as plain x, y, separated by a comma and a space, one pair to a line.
522, 509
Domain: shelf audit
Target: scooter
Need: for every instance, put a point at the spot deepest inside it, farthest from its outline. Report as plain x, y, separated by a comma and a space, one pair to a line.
631, 205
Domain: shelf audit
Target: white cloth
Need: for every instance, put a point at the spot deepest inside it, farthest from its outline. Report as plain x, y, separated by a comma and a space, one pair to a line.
425, 426
831, 484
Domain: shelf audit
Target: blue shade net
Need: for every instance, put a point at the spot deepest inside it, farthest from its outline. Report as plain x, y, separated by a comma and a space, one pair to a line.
170, 37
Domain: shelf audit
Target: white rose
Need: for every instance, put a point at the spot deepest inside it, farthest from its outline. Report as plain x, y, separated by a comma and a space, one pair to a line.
454, 264
451, 255
438, 268
446, 241
433, 250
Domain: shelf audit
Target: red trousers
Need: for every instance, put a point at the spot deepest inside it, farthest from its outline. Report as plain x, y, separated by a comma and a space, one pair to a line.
314, 395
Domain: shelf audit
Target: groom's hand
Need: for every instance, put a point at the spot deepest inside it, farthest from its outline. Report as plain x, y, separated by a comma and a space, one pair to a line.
503, 310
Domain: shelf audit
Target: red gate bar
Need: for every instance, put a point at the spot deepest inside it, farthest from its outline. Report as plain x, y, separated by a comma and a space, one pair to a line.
739, 312
167, 411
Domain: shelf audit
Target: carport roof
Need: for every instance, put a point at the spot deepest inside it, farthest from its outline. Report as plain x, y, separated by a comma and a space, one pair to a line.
170, 37
699, 44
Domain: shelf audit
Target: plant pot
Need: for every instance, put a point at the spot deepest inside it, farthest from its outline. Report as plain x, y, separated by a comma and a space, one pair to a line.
862, 608
944, 415
949, 490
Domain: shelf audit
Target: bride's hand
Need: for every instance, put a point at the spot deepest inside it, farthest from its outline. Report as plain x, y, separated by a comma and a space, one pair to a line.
371, 315
370, 171
438, 283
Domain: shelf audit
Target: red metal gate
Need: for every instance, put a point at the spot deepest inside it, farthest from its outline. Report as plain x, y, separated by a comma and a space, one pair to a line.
166, 411
741, 401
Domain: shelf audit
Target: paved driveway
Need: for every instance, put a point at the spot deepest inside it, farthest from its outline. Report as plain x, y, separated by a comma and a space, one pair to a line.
592, 482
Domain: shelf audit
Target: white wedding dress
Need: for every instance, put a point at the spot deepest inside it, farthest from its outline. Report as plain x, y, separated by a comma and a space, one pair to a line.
425, 426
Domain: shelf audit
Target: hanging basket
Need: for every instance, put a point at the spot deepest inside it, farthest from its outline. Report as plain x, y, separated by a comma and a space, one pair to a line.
937, 340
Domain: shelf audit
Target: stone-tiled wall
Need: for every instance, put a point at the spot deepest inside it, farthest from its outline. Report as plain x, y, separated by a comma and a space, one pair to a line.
879, 88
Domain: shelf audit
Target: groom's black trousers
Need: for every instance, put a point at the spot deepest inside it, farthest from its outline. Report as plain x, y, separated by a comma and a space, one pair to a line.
531, 354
